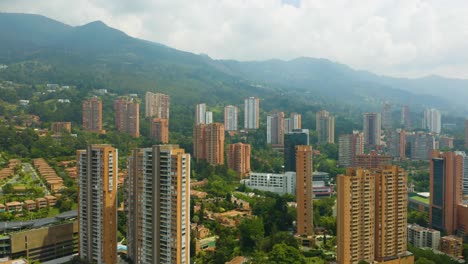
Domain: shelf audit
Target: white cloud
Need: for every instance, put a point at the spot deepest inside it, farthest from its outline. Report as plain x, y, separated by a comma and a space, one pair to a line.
397, 37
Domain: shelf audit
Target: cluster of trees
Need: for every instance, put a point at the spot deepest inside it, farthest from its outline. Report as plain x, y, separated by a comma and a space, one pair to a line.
427, 256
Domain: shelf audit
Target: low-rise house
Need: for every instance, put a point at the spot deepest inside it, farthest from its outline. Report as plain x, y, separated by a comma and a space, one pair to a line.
14, 206
30, 205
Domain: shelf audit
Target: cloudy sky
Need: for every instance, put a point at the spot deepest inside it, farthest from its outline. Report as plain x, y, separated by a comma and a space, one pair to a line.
393, 37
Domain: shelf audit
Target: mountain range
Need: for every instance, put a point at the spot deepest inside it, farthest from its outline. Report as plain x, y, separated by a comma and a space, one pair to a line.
39, 49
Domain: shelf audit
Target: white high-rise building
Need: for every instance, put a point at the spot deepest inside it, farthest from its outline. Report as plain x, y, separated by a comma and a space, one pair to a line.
252, 113
200, 114
97, 203
158, 205
230, 118
465, 172
432, 120
208, 117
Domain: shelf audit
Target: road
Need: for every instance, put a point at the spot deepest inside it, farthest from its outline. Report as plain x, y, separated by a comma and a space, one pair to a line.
27, 167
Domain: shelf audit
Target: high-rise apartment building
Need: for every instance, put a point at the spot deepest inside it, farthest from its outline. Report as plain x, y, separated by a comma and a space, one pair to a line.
208, 117
421, 145
446, 172
371, 216
238, 158
157, 105
372, 130
355, 216
292, 122
304, 170
92, 115
386, 116
200, 114
127, 116
275, 129
349, 146
325, 126
396, 143
230, 117
405, 117
208, 143
391, 207
291, 140
373, 160
432, 120
251, 113
60, 127
159, 130
199, 141
97, 203
157, 205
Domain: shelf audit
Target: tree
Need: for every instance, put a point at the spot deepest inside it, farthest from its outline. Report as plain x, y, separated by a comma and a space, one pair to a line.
424, 261
284, 254
251, 234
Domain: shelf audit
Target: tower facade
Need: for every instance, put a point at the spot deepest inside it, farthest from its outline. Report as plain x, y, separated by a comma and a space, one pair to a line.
208, 143
291, 140
238, 158
325, 126
200, 114
97, 168
304, 170
371, 216
127, 116
432, 120
405, 117
275, 129
445, 185
391, 198
372, 130
349, 146
387, 116
157, 105
92, 115
158, 205
355, 216
251, 113
230, 117
159, 130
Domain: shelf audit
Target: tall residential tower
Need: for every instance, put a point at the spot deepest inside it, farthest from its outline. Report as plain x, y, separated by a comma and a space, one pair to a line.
97, 203
157, 205
251, 113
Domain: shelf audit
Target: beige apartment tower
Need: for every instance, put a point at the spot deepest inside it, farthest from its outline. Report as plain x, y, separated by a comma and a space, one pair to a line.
208, 143
157, 105
304, 170
275, 129
355, 216
238, 158
325, 126
157, 204
97, 168
127, 116
159, 130
371, 216
92, 115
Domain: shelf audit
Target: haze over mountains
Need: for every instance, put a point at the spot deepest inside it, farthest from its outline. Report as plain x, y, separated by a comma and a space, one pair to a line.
39, 49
